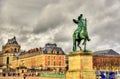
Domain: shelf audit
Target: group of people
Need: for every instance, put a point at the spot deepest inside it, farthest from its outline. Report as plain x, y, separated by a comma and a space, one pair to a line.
9, 74
102, 75
19, 74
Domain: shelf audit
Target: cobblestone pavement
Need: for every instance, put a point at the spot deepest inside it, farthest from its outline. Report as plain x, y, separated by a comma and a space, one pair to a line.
28, 78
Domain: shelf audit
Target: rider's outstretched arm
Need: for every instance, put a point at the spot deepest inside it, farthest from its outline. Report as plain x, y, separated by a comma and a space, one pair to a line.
75, 21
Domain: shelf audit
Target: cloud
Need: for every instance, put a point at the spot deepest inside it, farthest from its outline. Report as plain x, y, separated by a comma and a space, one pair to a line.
49, 20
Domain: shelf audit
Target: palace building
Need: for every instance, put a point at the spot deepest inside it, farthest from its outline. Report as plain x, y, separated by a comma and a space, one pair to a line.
106, 60
50, 57
8, 51
11, 46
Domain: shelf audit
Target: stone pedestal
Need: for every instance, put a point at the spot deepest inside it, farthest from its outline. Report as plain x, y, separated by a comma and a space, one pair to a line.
80, 66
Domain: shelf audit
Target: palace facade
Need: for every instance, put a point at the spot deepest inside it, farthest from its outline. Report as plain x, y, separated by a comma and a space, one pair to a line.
9, 50
106, 60
49, 57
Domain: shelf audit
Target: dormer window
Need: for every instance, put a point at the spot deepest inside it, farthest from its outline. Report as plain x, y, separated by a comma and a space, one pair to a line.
49, 51
15, 50
60, 52
54, 51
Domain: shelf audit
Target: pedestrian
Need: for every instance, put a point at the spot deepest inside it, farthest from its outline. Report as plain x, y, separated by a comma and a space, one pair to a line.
102, 76
24, 76
112, 75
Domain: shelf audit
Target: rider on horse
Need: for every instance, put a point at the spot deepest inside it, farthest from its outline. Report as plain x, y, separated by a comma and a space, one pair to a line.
80, 25
80, 33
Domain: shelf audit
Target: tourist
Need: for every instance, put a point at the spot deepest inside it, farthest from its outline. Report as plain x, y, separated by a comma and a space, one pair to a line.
102, 76
112, 75
24, 76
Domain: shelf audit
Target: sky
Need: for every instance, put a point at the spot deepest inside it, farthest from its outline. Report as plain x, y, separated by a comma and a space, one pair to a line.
37, 22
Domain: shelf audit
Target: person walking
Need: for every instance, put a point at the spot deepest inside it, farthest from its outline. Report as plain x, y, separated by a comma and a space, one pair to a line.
112, 75
24, 76
102, 76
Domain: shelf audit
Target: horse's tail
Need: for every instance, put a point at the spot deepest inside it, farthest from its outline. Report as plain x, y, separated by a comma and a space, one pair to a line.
86, 36
88, 39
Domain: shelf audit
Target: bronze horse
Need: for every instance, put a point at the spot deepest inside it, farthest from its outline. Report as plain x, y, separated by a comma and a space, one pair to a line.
80, 33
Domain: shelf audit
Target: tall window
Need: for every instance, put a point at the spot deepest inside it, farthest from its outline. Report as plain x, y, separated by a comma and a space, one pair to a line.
59, 63
59, 57
54, 57
7, 60
54, 63
48, 62
48, 57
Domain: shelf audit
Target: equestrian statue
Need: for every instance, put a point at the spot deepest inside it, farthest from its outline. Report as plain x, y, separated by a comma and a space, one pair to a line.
80, 33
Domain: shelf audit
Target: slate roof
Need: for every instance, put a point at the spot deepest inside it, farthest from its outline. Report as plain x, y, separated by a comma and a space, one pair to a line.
51, 48
12, 41
108, 52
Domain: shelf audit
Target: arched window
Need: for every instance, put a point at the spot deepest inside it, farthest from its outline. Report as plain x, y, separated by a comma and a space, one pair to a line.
7, 60
15, 50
